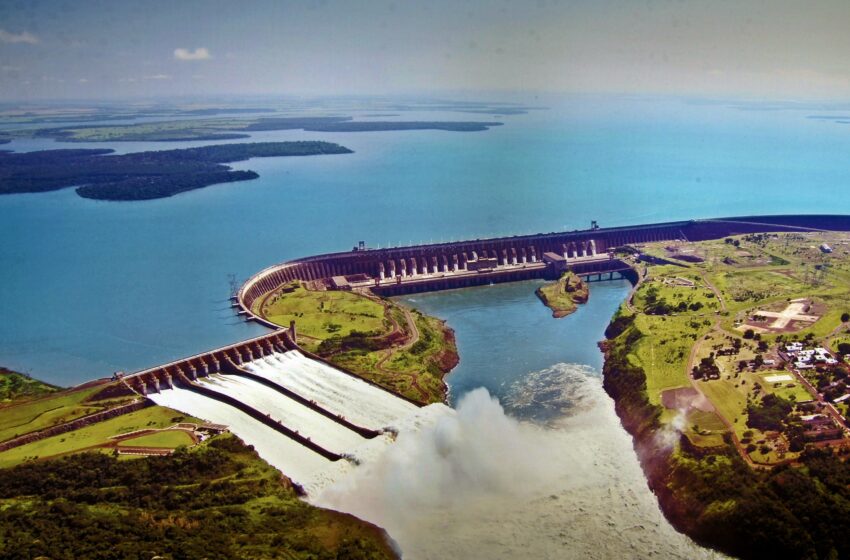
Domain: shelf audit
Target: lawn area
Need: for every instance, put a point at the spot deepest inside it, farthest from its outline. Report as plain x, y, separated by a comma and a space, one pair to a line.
705, 429
663, 351
330, 323
788, 390
29, 416
744, 288
729, 400
167, 438
416, 371
670, 285
94, 435
324, 314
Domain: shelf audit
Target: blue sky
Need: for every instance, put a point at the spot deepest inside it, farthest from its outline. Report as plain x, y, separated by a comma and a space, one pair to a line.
93, 49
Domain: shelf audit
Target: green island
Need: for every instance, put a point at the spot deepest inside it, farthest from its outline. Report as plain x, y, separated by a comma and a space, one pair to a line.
377, 338
149, 482
563, 295
141, 175
233, 128
727, 364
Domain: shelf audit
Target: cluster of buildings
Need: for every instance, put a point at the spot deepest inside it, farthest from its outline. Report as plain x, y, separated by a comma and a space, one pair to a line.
820, 427
803, 358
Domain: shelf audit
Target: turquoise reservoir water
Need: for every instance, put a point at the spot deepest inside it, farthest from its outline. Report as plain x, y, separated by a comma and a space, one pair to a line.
505, 333
91, 287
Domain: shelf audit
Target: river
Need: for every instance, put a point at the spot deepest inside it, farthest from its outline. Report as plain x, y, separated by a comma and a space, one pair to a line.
535, 463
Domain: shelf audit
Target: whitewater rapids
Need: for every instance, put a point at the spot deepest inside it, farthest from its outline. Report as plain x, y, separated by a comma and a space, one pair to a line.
562, 483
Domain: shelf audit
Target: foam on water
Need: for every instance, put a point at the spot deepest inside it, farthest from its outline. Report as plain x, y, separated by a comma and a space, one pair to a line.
482, 484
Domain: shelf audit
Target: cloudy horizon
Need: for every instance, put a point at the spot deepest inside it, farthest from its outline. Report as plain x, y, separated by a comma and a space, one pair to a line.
754, 48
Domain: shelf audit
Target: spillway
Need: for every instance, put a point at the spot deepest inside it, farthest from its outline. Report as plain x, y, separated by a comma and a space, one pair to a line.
292, 458
332, 389
320, 429
333, 405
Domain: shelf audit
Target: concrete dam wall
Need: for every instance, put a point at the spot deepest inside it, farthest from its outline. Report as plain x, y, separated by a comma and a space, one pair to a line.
399, 270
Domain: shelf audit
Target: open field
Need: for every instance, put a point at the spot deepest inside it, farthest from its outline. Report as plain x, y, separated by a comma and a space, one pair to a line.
324, 314
92, 436
663, 350
697, 313
169, 439
29, 416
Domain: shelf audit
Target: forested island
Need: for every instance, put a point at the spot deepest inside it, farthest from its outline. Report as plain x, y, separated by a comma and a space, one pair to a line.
141, 175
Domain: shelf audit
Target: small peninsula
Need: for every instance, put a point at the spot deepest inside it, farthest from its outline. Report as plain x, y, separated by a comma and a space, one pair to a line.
399, 348
564, 295
141, 175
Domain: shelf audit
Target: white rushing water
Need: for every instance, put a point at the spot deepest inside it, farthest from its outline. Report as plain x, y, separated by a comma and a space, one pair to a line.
333, 390
359, 402
292, 458
481, 484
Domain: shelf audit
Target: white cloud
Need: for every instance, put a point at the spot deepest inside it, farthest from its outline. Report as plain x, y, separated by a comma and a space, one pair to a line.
201, 53
158, 77
22, 37
83, 80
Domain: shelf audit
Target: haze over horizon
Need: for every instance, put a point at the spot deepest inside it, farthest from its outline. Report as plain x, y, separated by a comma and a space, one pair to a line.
753, 48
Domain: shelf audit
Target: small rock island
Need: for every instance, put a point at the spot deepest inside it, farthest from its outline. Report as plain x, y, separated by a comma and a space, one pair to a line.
563, 295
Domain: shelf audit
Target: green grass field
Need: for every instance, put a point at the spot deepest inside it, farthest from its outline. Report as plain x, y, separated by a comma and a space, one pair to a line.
664, 350
752, 271
170, 439
705, 429
325, 314
30, 416
93, 435
415, 372
788, 390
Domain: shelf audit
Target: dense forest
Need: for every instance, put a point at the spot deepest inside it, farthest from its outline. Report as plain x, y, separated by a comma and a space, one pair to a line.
141, 175
800, 512
218, 501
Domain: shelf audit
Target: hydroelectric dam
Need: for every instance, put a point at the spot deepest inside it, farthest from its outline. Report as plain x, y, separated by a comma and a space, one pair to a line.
314, 420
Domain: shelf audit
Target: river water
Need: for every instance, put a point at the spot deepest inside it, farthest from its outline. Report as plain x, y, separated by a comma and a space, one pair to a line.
90, 287
535, 463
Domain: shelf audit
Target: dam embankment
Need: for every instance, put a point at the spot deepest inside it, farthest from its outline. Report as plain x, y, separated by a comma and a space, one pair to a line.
422, 268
